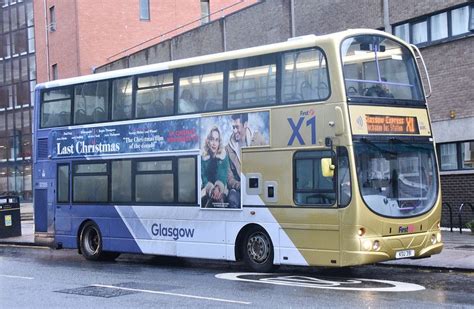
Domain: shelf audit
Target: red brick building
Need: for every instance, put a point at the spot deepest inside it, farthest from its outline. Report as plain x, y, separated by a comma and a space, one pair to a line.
74, 37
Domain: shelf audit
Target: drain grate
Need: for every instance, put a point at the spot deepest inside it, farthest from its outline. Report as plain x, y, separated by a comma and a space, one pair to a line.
97, 291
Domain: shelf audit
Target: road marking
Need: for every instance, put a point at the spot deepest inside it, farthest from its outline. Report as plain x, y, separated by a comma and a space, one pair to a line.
17, 277
173, 294
316, 283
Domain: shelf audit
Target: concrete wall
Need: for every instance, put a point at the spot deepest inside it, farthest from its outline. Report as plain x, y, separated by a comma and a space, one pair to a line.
326, 16
202, 41
265, 23
154, 54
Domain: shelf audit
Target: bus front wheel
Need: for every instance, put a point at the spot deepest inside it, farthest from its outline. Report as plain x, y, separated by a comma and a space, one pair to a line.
91, 244
258, 250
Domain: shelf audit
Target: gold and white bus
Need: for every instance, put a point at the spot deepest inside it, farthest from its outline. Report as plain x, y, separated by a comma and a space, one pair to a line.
317, 151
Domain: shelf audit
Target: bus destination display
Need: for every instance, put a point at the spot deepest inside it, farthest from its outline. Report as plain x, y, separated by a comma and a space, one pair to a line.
391, 124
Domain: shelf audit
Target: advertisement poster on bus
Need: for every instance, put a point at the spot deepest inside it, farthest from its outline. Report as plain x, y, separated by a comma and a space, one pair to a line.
222, 138
172, 135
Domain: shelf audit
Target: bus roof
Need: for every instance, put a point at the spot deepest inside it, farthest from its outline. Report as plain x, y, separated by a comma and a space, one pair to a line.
292, 43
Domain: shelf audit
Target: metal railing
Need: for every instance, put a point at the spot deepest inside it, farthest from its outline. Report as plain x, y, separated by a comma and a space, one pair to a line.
450, 215
460, 213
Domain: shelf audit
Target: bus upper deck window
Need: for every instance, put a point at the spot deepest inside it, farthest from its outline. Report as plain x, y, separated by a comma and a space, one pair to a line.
155, 95
201, 93
381, 68
56, 108
122, 99
305, 76
91, 102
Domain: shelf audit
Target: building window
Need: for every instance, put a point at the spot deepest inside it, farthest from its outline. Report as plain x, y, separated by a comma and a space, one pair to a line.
403, 32
460, 21
52, 19
453, 23
419, 32
471, 22
448, 157
144, 9
54, 70
456, 156
439, 26
205, 12
467, 155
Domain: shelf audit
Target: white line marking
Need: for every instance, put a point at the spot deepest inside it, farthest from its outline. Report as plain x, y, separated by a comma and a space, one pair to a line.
173, 294
315, 283
17, 277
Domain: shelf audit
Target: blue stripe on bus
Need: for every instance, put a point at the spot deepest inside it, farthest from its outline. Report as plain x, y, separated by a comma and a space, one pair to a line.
129, 215
115, 233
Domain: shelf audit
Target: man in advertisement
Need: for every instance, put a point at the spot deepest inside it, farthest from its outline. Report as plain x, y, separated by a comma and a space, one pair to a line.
242, 136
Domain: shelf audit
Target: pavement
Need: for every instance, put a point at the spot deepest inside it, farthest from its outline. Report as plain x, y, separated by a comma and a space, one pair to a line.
457, 254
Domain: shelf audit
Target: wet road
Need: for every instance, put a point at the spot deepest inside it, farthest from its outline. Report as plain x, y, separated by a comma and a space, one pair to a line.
38, 277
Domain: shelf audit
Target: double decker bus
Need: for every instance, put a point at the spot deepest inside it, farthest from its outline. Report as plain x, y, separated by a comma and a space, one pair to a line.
317, 151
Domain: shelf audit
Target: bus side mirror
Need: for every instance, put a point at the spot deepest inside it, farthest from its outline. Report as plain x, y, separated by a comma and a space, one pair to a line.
327, 168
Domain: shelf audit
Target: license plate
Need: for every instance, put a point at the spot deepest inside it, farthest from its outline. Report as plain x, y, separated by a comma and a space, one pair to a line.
404, 254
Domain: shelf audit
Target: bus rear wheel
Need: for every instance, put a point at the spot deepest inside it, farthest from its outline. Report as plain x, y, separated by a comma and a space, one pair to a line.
91, 245
258, 250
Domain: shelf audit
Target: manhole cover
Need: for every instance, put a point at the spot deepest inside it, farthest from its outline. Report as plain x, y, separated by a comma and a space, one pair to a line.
97, 291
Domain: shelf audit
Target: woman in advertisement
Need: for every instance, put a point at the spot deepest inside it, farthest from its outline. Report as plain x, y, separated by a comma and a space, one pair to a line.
214, 165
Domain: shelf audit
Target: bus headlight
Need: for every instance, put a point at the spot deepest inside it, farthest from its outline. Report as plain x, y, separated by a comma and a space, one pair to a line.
366, 245
433, 239
361, 232
438, 237
376, 245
